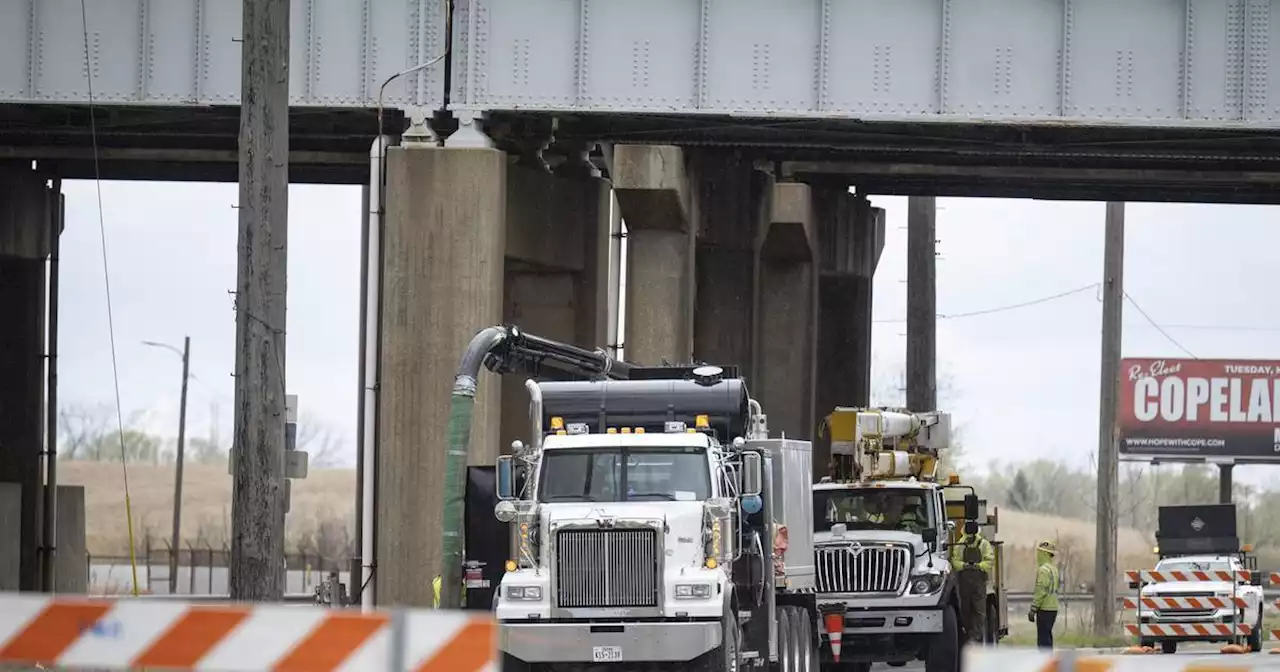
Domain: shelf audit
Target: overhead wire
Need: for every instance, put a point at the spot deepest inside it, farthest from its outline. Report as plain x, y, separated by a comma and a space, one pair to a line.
1012, 306
106, 277
1158, 328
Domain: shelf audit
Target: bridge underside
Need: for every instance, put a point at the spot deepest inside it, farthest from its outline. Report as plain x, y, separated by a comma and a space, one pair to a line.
1047, 162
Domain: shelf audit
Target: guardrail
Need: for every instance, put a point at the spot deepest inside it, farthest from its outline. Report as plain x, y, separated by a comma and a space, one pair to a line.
1024, 597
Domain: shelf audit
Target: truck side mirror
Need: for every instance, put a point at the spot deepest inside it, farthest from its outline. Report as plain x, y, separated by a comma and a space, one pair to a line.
971, 507
505, 471
752, 475
929, 535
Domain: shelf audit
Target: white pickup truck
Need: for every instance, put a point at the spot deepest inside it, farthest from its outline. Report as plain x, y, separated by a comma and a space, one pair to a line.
1175, 602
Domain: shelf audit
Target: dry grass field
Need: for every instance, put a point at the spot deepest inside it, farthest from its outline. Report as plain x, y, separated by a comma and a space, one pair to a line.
328, 496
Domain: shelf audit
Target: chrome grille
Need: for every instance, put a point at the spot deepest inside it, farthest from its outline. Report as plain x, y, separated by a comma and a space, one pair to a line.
862, 569
607, 568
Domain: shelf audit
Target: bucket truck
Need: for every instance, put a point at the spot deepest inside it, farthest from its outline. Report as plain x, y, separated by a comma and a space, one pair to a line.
883, 527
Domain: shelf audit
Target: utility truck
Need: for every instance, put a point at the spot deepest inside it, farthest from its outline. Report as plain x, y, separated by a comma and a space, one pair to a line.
654, 524
1204, 588
883, 527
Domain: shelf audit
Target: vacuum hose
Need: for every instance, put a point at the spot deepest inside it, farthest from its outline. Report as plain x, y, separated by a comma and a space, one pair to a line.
461, 403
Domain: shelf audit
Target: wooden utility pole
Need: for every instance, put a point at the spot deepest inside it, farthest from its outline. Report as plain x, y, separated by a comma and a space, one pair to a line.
257, 510
922, 303
1104, 573
177, 476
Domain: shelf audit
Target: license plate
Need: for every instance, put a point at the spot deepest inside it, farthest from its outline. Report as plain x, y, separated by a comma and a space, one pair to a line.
606, 654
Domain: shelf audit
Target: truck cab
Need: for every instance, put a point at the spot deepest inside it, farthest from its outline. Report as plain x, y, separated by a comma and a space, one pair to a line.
883, 530
645, 526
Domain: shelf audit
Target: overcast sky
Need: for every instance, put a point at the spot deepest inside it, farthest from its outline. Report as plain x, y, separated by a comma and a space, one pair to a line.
1025, 380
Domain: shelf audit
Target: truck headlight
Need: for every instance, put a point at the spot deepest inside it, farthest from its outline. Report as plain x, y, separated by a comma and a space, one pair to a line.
923, 584
693, 591
526, 593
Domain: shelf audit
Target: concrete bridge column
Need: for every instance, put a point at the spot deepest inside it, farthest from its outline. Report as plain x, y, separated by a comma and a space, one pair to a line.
786, 336
24, 244
731, 197
654, 194
556, 278
443, 277
852, 232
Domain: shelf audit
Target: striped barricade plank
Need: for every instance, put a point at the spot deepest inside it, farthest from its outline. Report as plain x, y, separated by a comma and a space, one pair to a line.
1188, 629
1274, 578
1168, 576
1175, 603
124, 634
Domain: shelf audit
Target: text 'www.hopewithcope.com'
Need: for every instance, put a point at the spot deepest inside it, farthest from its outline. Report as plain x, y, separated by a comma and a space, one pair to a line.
1145, 442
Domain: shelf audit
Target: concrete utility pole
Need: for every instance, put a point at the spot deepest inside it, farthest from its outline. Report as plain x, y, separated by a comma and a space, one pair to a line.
1104, 575
922, 303
257, 509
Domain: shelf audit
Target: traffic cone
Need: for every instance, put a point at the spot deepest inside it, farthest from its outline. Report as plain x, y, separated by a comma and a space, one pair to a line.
834, 621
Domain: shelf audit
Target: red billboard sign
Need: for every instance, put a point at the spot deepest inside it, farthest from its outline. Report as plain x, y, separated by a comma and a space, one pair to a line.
1200, 408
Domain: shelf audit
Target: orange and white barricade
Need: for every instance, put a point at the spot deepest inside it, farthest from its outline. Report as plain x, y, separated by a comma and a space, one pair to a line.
1187, 606
1166, 630
139, 634
1152, 576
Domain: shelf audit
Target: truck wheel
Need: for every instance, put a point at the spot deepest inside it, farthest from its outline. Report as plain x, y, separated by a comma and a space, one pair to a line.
1168, 646
944, 648
805, 642
512, 664
991, 636
786, 642
727, 658
1255, 639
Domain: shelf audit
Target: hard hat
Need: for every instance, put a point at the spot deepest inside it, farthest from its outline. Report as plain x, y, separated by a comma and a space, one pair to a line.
1047, 546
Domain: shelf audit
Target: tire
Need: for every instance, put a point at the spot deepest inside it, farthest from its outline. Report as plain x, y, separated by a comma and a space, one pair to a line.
944, 649
727, 659
786, 645
1168, 646
806, 641
1255, 639
990, 636
512, 664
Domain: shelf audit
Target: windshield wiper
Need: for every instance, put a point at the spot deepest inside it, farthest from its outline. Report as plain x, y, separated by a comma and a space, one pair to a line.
662, 495
584, 498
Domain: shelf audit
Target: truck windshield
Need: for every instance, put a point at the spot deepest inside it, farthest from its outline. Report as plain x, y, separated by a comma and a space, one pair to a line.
1186, 565
624, 474
872, 509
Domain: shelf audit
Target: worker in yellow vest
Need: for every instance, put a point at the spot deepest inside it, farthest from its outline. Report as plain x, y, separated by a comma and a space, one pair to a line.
1044, 604
435, 592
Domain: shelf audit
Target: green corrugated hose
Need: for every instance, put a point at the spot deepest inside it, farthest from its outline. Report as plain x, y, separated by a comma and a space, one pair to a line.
455, 478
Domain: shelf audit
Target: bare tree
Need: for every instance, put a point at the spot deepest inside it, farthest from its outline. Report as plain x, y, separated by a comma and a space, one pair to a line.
325, 447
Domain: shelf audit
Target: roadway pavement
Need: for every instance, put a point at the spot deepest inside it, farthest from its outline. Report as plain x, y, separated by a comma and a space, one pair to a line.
1187, 656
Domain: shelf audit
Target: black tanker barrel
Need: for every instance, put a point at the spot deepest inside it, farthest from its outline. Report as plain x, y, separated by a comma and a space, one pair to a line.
649, 404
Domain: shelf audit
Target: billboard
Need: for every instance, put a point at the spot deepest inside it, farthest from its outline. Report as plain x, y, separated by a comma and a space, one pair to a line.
1200, 408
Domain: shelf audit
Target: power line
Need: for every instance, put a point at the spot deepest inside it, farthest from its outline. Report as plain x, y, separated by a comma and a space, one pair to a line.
1147, 320
1158, 327
1013, 306
106, 278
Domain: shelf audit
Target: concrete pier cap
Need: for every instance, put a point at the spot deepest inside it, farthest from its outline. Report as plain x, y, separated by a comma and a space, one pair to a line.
788, 233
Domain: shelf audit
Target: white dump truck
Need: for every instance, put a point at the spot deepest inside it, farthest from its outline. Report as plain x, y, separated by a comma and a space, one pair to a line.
883, 528
656, 524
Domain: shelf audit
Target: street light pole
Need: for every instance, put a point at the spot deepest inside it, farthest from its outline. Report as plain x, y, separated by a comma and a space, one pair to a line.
175, 547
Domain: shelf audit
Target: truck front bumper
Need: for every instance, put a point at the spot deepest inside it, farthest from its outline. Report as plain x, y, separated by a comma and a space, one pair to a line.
892, 621
650, 641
